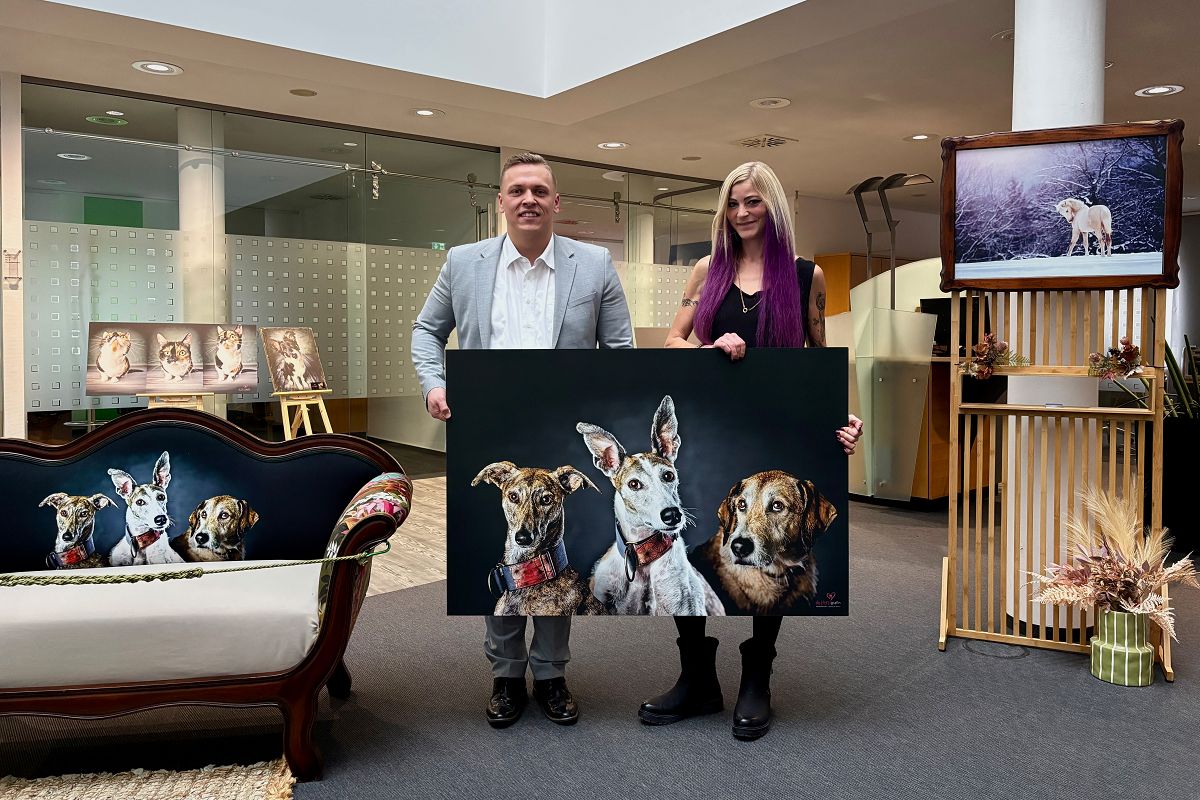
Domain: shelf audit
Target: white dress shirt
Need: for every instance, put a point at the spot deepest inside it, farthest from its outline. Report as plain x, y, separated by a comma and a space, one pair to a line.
523, 300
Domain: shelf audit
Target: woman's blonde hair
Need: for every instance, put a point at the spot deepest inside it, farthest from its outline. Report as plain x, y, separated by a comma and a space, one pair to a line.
762, 178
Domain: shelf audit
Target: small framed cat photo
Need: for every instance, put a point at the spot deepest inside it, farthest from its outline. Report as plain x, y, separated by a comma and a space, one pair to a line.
293, 359
116, 359
176, 359
231, 358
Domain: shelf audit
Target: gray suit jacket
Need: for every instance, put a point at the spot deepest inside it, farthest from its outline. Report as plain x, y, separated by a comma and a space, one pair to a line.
589, 304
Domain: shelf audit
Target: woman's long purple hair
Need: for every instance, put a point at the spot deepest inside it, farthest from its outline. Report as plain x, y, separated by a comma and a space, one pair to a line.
780, 318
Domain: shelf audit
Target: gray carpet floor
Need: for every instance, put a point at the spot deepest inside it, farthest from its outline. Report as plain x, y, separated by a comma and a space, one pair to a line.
866, 707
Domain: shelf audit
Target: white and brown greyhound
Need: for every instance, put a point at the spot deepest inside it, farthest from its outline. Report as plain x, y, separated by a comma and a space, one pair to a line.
146, 519
646, 571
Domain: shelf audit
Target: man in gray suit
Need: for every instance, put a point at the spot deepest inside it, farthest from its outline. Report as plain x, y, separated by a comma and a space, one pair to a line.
527, 289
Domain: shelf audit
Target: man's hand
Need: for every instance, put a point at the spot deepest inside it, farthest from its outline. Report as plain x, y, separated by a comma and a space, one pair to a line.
848, 436
435, 403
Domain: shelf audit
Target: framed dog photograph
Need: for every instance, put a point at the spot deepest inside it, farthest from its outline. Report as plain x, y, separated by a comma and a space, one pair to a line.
1093, 207
293, 359
646, 482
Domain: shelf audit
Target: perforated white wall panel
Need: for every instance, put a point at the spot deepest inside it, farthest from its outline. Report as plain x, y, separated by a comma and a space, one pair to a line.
653, 291
76, 273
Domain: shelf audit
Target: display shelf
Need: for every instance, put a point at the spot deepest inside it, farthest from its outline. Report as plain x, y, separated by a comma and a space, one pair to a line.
1061, 371
1056, 411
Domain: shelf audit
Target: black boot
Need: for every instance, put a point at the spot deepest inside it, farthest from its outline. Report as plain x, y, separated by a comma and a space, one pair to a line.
696, 692
752, 714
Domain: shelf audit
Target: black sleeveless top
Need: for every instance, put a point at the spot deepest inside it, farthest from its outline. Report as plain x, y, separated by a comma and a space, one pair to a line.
731, 319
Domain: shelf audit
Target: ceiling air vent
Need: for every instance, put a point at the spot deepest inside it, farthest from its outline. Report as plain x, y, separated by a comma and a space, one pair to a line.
764, 140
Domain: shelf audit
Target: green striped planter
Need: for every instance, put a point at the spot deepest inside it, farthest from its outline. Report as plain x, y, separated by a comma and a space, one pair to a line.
1120, 653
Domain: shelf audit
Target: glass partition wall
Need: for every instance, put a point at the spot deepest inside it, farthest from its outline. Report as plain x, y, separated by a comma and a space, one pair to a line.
141, 210
146, 211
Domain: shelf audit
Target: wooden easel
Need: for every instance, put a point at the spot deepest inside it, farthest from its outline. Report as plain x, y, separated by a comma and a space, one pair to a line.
300, 401
177, 400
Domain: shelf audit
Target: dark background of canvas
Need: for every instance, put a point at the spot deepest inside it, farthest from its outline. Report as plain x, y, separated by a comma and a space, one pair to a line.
775, 409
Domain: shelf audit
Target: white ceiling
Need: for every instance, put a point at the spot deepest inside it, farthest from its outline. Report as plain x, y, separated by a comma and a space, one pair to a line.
861, 74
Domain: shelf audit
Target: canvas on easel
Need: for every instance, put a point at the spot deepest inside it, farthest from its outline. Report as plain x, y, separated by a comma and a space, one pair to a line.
294, 363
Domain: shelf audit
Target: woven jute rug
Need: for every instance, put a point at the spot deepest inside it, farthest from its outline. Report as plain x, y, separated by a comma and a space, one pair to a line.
262, 781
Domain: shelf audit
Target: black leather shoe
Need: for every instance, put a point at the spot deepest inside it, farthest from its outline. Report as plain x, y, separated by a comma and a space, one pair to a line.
509, 698
556, 701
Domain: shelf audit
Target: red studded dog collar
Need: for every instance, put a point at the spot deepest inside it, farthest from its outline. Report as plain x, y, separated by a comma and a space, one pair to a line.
545, 566
643, 552
144, 540
72, 555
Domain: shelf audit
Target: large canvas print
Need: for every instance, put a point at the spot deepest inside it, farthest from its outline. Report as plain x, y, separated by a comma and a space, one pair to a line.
126, 358
1074, 208
642, 482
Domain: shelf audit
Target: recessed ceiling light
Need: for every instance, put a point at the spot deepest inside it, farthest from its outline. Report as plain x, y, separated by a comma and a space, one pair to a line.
1189, 197
664, 189
918, 137
691, 158
56, 182
613, 175
587, 231
157, 68
1159, 91
439, 230
74, 156
613, 145
350, 144
303, 92
428, 112
99, 119
1005, 35
115, 113
1109, 64
770, 102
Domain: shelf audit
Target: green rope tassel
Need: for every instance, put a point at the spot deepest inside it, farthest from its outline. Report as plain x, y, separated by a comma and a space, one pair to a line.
25, 579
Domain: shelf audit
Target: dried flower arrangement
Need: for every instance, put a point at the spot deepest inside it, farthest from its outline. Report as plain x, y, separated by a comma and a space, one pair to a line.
1116, 566
1122, 362
989, 354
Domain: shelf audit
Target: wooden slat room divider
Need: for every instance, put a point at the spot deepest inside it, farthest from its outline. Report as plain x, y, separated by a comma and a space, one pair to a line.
1016, 470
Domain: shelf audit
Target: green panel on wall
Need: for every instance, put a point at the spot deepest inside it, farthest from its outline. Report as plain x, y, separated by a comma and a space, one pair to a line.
111, 211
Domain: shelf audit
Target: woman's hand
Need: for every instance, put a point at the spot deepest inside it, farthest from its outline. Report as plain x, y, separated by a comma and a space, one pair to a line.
849, 435
733, 345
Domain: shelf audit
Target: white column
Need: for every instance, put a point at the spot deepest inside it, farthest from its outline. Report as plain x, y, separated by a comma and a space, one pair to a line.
1058, 81
202, 258
12, 234
202, 214
1058, 63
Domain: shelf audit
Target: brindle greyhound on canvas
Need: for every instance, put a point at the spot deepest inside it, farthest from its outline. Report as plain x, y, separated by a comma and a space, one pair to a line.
535, 577
646, 571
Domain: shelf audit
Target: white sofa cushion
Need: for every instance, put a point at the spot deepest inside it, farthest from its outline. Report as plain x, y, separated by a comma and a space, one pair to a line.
239, 624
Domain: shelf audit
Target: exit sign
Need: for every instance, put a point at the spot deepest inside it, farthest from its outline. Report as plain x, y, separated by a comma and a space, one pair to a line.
439, 245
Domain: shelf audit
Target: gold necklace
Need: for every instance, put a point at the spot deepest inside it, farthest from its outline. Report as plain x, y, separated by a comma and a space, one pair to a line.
742, 295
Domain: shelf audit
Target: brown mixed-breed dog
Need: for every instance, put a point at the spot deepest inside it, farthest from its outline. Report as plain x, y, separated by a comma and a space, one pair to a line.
760, 561
217, 530
532, 499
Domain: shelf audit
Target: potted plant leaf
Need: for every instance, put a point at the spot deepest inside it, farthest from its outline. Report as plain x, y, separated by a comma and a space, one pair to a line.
1121, 569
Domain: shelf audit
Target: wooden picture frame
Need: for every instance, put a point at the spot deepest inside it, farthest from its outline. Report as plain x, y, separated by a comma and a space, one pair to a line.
964, 216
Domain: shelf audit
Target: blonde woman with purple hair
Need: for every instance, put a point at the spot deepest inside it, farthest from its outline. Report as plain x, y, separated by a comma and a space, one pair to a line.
751, 292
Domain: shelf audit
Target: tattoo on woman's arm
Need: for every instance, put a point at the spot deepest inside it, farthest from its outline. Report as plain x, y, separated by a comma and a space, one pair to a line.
688, 302
817, 322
